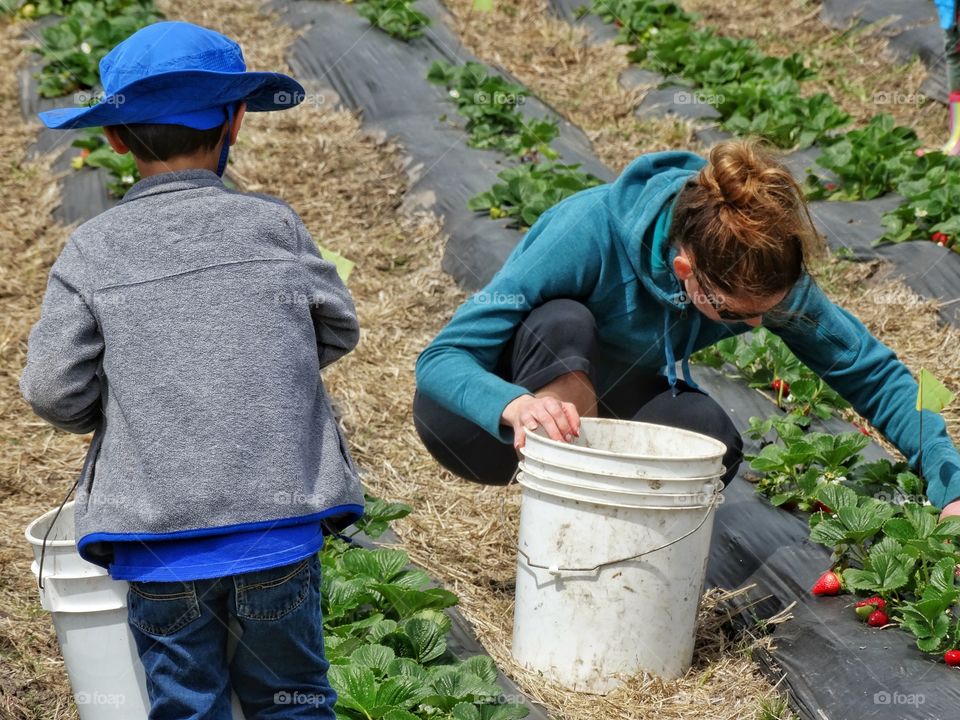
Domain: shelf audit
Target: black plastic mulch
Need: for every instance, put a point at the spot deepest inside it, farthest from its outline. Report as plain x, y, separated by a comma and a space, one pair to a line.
833, 666
927, 269
386, 79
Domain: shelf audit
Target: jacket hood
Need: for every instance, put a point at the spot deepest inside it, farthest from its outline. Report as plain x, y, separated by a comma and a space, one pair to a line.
642, 201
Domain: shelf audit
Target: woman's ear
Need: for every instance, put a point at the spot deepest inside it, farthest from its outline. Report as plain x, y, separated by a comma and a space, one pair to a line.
682, 266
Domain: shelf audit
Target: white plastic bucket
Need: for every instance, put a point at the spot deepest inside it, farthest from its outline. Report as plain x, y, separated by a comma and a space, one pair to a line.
89, 611
610, 567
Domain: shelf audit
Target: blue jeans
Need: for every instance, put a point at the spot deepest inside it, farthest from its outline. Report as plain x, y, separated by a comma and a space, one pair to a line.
278, 669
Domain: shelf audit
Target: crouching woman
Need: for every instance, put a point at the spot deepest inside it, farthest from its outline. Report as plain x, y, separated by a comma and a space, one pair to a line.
591, 312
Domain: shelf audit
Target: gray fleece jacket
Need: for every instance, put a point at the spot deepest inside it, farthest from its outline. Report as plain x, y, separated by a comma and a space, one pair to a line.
187, 327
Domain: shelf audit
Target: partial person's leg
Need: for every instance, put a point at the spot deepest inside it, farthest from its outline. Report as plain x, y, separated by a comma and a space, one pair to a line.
279, 669
460, 445
552, 353
952, 55
650, 399
180, 632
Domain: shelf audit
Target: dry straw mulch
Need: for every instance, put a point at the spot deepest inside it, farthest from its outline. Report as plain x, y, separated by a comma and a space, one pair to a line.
37, 464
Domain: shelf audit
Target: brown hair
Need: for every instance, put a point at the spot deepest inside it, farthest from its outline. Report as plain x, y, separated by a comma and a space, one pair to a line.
745, 222
150, 142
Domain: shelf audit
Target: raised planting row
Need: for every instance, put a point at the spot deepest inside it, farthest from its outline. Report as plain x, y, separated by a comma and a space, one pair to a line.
75, 37
887, 542
475, 137
490, 104
760, 95
386, 637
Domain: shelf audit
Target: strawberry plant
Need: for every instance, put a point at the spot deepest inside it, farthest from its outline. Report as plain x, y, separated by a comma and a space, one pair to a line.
761, 358
867, 162
97, 152
796, 467
884, 544
397, 18
530, 189
30, 10
755, 93
490, 105
640, 20
72, 48
385, 636
931, 188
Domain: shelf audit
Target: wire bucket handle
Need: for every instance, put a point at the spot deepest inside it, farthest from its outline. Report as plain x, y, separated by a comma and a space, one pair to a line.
556, 570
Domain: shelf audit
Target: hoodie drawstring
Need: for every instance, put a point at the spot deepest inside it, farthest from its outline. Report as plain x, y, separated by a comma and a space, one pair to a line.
671, 359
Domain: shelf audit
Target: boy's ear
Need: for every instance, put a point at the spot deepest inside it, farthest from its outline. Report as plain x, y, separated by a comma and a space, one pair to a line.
237, 120
116, 143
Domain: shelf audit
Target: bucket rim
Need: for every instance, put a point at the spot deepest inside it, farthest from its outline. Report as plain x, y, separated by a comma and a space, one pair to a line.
638, 456
38, 540
715, 499
625, 491
678, 478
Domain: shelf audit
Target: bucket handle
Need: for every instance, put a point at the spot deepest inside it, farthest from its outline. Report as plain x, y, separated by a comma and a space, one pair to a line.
555, 570
43, 546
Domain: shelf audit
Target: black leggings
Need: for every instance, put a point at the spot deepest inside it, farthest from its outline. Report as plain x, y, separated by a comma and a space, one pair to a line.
556, 338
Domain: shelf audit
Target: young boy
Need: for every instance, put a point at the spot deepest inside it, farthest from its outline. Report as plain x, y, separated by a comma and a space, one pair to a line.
187, 327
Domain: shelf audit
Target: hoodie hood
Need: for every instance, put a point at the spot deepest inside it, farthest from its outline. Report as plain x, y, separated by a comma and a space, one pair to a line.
642, 201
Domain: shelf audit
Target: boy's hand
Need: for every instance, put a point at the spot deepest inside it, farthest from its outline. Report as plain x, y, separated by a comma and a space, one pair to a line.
559, 419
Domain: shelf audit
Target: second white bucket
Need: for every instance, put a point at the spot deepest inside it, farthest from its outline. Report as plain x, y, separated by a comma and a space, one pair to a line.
610, 574
89, 610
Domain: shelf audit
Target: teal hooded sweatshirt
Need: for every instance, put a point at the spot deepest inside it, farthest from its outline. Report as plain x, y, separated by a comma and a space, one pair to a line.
607, 247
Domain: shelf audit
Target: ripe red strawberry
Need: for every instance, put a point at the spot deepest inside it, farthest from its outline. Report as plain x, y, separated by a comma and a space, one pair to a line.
952, 658
780, 386
830, 186
939, 238
878, 618
865, 608
820, 507
827, 584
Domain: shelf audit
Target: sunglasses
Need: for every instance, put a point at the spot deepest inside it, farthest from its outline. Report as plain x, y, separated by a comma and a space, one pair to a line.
717, 305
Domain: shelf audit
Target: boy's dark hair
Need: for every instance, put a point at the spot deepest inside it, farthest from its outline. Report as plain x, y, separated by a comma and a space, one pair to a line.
150, 142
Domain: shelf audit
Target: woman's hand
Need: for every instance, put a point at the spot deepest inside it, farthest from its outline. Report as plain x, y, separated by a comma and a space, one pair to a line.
560, 419
951, 509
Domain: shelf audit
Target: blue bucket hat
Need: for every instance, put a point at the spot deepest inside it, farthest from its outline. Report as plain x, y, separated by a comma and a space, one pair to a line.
177, 73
